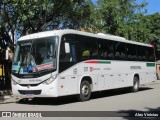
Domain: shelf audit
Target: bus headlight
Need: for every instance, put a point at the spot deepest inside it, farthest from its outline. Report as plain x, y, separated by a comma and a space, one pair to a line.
50, 80
14, 82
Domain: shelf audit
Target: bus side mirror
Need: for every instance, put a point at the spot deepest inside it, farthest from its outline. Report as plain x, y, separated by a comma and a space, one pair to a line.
7, 55
67, 48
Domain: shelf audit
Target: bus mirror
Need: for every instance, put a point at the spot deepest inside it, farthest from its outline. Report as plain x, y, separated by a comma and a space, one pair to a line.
67, 48
7, 55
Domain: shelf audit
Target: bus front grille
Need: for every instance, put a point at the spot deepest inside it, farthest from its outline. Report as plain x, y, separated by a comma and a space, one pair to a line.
34, 92
29, 85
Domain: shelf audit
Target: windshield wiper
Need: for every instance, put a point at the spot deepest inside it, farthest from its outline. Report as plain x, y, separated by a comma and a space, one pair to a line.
19, 69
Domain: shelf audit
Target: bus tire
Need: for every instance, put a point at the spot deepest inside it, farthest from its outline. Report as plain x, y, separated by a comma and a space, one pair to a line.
85, 91
135, 86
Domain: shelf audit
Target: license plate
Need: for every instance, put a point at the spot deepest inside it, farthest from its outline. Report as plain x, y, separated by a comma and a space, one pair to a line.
29, 95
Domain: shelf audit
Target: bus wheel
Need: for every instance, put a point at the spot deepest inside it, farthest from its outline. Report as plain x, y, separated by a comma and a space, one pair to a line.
85, 91
135, 86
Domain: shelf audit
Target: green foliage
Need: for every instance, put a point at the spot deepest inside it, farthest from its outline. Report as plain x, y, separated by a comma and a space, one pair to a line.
124, 18
30, 16
153, 26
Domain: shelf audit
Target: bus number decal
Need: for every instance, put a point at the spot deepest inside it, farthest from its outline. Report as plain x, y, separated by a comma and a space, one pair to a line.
85, 69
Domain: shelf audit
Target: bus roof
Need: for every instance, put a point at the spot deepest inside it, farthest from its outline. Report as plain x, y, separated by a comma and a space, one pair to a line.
69, 31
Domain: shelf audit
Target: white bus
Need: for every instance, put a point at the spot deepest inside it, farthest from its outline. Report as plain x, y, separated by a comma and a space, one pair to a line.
69, 62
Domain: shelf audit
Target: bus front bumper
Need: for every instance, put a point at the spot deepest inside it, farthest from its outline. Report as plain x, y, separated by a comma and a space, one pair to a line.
40, 90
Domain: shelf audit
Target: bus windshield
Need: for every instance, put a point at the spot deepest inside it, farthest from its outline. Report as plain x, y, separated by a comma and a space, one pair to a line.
35, 56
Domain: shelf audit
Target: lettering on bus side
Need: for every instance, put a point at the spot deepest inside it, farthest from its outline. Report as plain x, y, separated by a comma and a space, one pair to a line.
108, 68
75, 71
135, 67
35, 80
94, 69
90, 69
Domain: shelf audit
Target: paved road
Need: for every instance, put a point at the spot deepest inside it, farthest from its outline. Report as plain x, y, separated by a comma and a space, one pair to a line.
120, 101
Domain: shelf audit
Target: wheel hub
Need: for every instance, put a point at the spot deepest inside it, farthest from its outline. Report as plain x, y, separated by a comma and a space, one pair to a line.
85, 90
136, 85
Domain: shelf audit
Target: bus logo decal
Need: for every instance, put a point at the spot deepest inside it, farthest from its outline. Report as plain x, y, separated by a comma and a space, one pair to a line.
91, 69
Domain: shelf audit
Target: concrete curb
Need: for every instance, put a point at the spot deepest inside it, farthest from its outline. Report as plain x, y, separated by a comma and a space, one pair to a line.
6, 96
7, 99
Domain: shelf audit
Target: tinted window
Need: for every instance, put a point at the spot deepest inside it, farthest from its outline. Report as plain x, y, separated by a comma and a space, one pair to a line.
106, 49
150, 54
141, 53
68, 55
120, 51
86, 48
131, 52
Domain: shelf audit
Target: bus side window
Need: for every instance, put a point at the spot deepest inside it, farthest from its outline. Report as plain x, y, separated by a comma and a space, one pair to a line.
86, 48
150, 54
94, 54
132, 52
142, 53
103, 49
85, 54
64, 56
111, 50
68, 49
67, 56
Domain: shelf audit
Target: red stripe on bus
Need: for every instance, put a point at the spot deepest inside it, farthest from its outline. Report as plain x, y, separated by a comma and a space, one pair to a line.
92, 62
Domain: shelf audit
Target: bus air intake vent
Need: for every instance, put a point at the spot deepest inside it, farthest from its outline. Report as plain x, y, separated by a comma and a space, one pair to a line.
34, 92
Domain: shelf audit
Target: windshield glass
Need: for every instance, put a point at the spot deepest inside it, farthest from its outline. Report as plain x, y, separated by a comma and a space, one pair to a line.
35, 56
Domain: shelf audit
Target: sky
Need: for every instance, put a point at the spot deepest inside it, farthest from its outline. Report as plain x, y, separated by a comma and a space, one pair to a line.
152, 7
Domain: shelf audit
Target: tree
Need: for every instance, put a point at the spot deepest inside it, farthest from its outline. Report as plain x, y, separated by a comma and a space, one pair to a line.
152, 23
30, 16
122, 17
153, 26
4, 42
